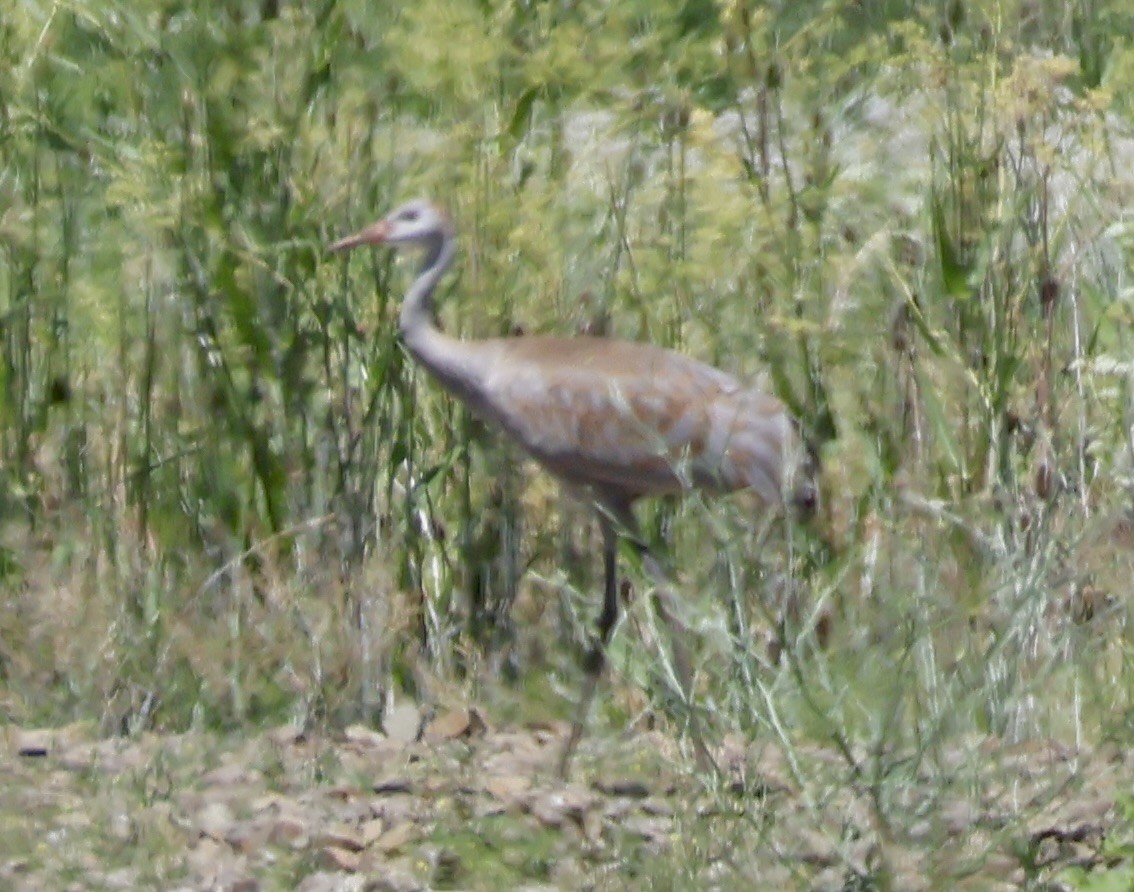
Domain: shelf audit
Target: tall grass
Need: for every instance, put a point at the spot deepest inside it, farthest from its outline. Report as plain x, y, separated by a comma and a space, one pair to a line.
228, 497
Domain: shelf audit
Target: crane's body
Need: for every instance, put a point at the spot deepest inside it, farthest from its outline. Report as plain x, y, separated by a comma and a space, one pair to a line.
620, 416
623, 420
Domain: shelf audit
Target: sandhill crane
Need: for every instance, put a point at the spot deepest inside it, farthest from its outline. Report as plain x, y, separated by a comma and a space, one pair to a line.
619, 420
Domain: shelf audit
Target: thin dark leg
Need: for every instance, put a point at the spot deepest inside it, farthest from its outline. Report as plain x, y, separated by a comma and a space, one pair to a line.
596, 657
666, 605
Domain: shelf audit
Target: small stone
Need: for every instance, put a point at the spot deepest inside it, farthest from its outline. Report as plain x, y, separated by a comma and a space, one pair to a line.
507, 787
290, 831
363, 737
393, 786
32, 744
121, 826
554, 808
269, 802
633, 789
371, 831
395, 878
210, 860
332, 881
403, 722
125, 878
286, 735
658, 807
215, 820
249, 837
233, 775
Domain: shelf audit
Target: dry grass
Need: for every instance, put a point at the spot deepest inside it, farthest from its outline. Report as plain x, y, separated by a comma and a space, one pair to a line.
227, 500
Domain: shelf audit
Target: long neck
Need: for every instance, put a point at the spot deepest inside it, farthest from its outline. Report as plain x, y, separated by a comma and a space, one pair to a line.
453, 362
417, 308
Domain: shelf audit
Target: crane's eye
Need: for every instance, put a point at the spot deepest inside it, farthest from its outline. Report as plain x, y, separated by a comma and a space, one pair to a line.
409, 216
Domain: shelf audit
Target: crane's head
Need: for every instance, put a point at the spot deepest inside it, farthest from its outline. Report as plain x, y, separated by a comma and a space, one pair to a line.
417, 222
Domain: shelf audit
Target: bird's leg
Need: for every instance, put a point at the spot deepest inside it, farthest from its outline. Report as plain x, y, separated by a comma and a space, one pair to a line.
596, 656
666, 605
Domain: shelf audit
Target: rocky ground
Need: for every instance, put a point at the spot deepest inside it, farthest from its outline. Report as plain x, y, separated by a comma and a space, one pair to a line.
451, 803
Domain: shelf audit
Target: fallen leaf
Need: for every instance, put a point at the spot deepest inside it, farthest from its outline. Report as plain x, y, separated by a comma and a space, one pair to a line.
507, 787
396, 837
340, 836
448, 726
337, 858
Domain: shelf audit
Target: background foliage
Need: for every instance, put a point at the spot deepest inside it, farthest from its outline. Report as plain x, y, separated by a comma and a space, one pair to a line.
227, 497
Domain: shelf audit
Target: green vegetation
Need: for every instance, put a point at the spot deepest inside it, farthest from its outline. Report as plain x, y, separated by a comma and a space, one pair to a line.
228, 500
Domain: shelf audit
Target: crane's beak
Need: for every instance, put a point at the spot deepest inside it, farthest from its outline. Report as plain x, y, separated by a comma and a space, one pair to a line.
374, 234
